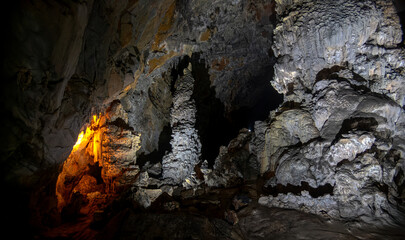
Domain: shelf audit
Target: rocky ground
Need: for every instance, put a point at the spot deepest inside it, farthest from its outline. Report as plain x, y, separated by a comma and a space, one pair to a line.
225, 213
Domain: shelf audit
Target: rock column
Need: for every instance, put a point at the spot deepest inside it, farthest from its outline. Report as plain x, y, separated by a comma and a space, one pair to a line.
186, 146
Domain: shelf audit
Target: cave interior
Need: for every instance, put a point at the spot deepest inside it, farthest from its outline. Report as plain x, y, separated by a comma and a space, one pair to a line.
177, 119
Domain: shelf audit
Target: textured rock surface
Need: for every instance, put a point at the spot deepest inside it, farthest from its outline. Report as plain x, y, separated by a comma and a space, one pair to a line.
40, 59
358, 140
94, 52
186, 147
102, 162
314, 36
65, 61
333, 63
236, 163
334, 148
289, 128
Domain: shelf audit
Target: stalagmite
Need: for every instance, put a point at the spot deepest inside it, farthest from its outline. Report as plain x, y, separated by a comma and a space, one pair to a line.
186, 147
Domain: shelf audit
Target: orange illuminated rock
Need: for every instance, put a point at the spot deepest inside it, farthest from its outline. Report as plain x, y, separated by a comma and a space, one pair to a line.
102, 159
205, 36
164, 28
158, 62
87, 184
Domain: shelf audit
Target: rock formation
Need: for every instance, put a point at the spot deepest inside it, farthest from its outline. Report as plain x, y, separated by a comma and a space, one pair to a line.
186, 147
158, 141
359, 35
102, 161
333, 63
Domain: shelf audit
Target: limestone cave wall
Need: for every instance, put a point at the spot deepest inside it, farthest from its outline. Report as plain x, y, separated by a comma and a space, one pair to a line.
159, 102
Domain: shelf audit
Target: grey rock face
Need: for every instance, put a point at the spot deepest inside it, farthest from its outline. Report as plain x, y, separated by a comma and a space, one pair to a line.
352, 154
148, 108
314, 36
155, 169
289, 128
39, 61
145, 197
186, 146
234, 38
304, 202
335, 58
236, 162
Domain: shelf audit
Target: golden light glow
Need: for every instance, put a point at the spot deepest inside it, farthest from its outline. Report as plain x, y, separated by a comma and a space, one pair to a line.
79, 140
86, 135
88, 145
94, 144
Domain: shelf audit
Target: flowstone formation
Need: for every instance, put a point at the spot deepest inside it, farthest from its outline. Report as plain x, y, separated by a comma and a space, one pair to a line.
178, 166
340, 68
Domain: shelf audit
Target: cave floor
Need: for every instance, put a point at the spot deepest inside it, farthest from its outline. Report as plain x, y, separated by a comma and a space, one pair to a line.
212, 214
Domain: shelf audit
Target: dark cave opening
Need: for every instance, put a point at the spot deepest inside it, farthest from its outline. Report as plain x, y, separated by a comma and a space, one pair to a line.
163, 147
177, 71
95, 171
215, 126
267, 99
296, 190
400, 7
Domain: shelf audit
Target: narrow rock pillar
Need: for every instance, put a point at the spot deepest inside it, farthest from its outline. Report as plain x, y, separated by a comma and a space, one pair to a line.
186, 146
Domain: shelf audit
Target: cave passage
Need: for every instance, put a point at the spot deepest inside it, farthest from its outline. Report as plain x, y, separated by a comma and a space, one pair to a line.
400, 7
163, 147
266, 100
215, 126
